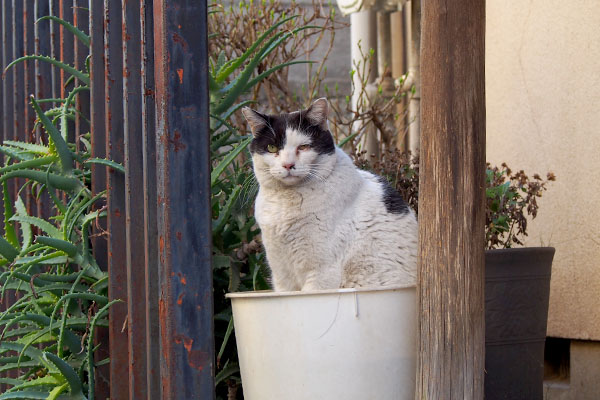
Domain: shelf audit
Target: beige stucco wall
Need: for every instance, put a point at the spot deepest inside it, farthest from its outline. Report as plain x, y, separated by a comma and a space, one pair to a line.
543, 113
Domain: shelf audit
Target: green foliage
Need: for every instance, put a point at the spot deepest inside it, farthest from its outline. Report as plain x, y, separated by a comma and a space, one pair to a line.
60, 293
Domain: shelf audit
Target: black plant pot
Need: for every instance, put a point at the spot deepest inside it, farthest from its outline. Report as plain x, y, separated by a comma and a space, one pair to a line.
517, 290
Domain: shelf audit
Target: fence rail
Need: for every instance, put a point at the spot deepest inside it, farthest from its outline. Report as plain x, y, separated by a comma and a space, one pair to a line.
152, 117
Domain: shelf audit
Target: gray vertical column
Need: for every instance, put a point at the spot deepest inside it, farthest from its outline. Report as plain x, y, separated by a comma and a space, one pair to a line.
184, 218
134, 199
149, 189
117, 265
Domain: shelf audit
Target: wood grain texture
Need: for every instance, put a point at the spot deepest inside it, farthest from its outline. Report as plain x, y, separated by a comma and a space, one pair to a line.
451, 201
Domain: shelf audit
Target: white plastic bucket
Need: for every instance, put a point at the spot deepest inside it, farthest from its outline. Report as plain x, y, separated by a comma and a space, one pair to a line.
350, 344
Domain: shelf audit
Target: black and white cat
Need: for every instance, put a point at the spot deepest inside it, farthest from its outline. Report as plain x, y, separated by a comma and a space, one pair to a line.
325, 224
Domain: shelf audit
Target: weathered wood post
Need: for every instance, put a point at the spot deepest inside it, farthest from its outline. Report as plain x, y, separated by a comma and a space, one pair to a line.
451, 201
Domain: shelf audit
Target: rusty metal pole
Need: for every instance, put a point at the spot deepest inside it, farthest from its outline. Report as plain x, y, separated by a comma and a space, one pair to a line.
134, 191
183, 188
117, 250
148, 143
99, 173
451, 201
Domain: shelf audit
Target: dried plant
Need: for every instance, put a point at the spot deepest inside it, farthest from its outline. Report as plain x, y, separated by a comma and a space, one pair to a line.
401, 169
234, 28
380, 104
510, 197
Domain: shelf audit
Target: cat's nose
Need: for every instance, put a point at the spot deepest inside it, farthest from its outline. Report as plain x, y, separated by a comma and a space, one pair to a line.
289, 166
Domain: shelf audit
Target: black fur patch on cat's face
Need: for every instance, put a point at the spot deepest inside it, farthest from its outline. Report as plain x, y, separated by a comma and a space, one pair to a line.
394, 203
273, 133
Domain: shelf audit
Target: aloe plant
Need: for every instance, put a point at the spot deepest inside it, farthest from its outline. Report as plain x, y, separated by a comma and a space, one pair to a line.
47, 334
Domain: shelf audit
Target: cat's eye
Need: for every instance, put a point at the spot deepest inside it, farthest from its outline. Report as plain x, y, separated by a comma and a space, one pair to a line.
272, 148
304, 147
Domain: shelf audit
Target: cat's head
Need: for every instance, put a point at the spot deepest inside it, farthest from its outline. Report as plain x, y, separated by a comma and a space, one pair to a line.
294, 148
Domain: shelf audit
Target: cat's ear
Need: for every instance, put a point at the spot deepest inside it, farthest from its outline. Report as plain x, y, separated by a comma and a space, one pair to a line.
256, 120
318, 112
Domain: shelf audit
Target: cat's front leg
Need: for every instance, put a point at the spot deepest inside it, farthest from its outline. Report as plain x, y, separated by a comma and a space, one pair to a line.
323, 278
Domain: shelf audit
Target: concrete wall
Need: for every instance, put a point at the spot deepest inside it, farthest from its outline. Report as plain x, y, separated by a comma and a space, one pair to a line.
543, 113
582, 383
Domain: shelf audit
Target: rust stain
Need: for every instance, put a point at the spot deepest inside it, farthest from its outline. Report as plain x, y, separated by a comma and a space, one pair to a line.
180, 299
183, 280
162, 313
187, 343
176, 142
161, 243
117, 212
180, 75
178, 234
178, 39
197, 359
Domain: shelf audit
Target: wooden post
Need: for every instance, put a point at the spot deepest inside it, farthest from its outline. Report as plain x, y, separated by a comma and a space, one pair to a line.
451, 201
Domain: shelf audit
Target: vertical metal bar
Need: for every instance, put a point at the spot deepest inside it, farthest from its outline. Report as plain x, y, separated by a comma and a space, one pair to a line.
7, 81
98, 113
81, 21
1, 82
98, 140
55, 48
183, 186
67, 55
150, 200
29, 88
43, 86
117, 266
7, 106
18, 70
134, 191
2, 69
29, 43
18, 126
67, 52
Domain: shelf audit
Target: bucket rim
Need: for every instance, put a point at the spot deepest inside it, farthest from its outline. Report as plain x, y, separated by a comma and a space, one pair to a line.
271, 293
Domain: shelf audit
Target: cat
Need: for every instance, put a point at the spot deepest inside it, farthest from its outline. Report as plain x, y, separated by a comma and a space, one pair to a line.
325, 223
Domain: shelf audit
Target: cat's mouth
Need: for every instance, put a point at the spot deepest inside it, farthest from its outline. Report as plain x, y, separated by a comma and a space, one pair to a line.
289, 178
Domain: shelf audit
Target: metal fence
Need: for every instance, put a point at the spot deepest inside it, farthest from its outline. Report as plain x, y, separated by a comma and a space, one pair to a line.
148, 109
